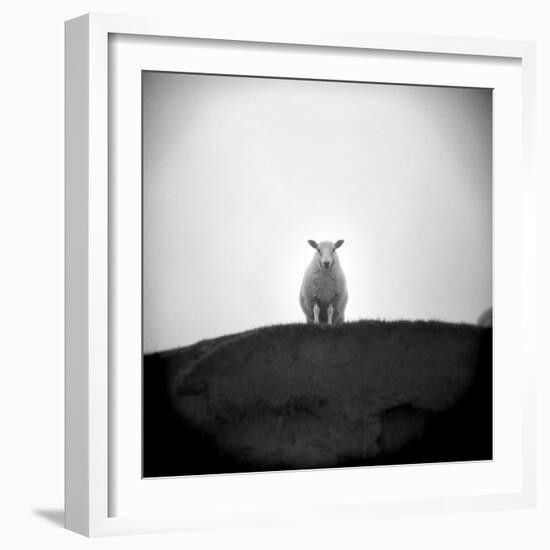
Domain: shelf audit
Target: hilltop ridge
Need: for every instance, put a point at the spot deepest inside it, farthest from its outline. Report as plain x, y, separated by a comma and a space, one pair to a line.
306, 396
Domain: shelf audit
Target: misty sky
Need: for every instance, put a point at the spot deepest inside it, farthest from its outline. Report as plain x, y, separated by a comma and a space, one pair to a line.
240, 172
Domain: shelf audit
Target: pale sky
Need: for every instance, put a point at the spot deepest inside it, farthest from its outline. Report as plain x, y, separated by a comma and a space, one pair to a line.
240, 172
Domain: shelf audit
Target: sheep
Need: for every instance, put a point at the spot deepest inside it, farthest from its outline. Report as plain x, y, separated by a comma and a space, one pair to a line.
323, 294
486, 318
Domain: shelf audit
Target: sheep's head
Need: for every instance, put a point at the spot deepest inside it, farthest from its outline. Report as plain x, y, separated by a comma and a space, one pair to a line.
326, 252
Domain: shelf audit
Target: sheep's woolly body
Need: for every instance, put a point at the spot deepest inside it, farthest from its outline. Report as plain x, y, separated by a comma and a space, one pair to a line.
324, 287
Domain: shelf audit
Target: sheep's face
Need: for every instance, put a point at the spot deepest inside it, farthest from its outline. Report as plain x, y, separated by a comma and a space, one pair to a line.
326, 252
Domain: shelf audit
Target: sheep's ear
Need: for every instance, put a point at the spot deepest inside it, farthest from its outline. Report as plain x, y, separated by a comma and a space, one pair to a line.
338, 244
313, 244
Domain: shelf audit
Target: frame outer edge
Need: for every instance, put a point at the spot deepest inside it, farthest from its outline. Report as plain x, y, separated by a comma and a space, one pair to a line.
529, 169
149, 25
77, 491
98, 279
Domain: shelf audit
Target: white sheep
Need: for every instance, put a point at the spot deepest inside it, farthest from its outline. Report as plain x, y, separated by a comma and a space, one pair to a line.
324, 295
486, 318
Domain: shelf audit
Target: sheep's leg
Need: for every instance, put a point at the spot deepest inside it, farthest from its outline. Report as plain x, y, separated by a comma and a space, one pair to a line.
330, 312
316, 314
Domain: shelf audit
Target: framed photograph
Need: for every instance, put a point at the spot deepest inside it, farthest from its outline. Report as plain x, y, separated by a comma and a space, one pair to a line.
300, 276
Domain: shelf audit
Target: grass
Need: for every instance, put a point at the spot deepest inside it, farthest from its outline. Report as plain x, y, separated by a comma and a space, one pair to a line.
307, 396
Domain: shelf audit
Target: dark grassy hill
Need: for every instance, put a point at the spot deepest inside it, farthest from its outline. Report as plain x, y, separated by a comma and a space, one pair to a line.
307, 396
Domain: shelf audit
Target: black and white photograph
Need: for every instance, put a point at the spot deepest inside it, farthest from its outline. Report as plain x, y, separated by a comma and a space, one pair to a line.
275, 275
316, 274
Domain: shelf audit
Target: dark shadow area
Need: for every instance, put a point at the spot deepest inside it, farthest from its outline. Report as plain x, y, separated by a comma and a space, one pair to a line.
309, 396
56, 517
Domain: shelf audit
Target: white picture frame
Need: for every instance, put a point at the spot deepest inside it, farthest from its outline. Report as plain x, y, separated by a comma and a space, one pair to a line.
104, 54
